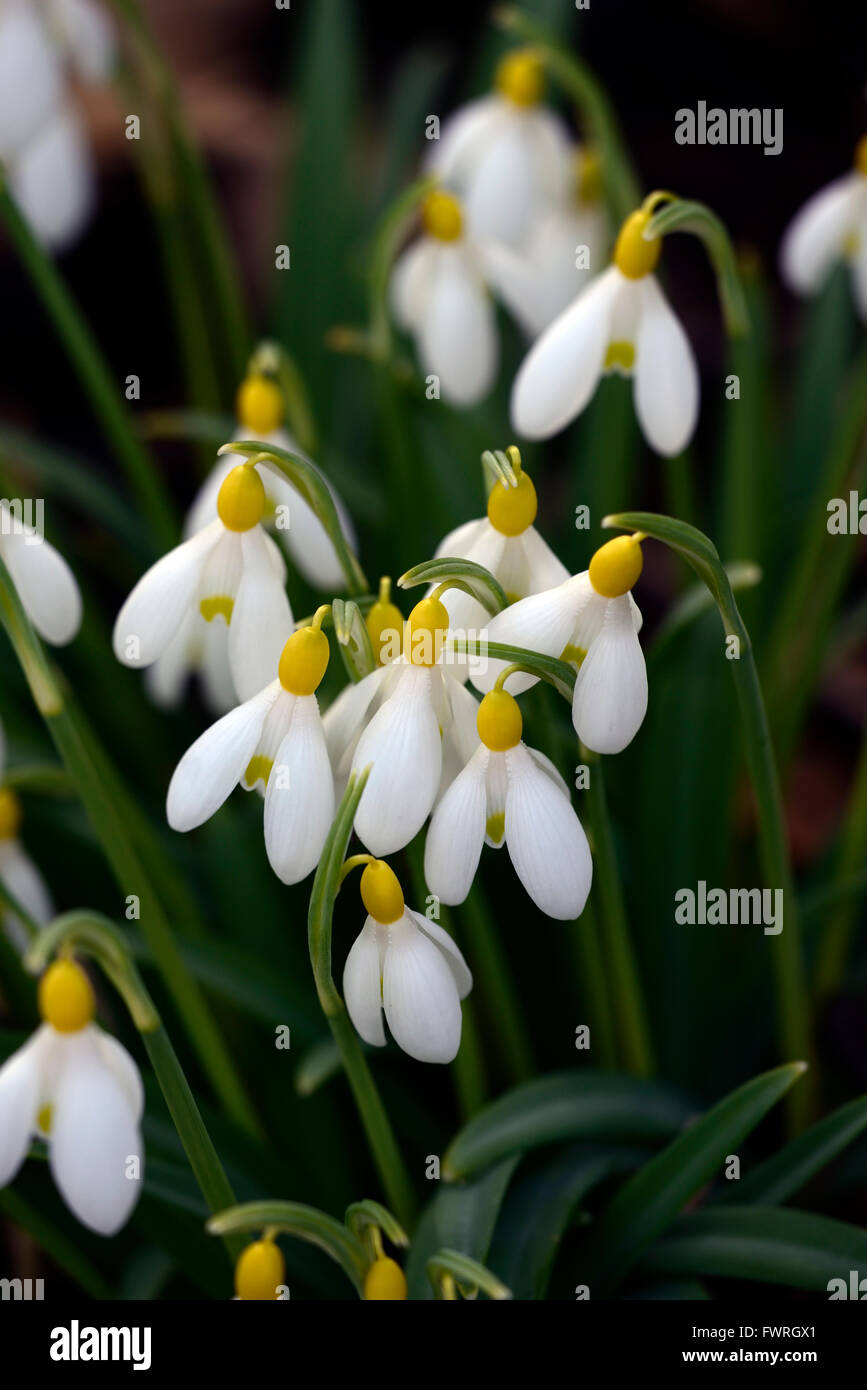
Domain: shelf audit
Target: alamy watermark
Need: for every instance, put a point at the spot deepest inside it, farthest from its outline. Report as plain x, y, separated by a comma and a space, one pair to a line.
703, 906
743, 125
23, 516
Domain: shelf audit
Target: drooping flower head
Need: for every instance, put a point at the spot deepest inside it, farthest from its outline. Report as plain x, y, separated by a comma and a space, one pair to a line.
831, 226
405, 966
77, 1088
18, 873
46, 585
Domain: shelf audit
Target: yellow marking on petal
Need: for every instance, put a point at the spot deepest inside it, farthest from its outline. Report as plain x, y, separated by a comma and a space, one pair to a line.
43, 1119
495, 826
851, 245
220, 606
258, 769
573, 655
619, 356
633, 256
10, 814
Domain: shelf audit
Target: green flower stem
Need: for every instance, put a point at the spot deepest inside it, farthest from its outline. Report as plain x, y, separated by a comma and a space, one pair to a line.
73, 739
95, 376
303, 1223
93, 935
793, 1005
624, 983
494, 981
391, 232
593, 987
837, 937
377, 1127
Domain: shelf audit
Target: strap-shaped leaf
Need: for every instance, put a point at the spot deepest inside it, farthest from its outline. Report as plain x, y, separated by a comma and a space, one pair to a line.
353, 639
461, 1217
470, 1276
683, 216
547, 668
566, 1105
296, 1219
474, 579
780, 1177
361, 1216
650, 1201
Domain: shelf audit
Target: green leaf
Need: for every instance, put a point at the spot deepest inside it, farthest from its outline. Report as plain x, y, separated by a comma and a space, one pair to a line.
296, 1219
780, 1177
317, 1066
353, 639
651, 1200
565, 1105
683, 216
473, 579
361, 1216
461, 1217
770, 1245
470, 1276
546, 668
697, 600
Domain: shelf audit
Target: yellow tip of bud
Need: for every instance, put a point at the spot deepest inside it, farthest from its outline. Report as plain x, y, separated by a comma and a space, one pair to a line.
633, 256
381, 892
260, 1271
512, 509
384, 623
426, 630
304, 661
499, 721
441, 216
616, 566
241, 500
861, 156
66, 998
520, 76
384, 1280
259, 405
10, 814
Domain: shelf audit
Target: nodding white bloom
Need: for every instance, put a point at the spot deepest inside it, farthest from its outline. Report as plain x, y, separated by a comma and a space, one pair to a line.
78, 1088
507, 156
231, 572
407, 967
18, 873
275, 743
509, 794
562, 252
439, 296
831, 226
592, 622
259, 409
42, 137
46, 585
508, 545
197, 647
418, 704
620, 322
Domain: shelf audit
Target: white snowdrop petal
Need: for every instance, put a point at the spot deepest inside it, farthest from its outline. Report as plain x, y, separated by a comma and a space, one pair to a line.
541, 623
94, 1139
501, 199
460, 541
88, 35
212, 767
562, 369
546, 766
45, 583
457, 336
815, 237
261, 621
545, 839
553, 153
463, 138
439, 936
343, 719
461, 730
402, 742
859, 272
456, 833
666, 378
362, 986
299, 798
31, 78
419, 995
23, 880
409, 287
20, 1087
218, 688
517, 282
53, 180
610, 699
116, 1058
158, 604
545, 570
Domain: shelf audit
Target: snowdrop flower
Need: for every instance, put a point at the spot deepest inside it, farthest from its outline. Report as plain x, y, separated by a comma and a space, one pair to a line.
407, 967
509, 794
507, 544
231, 572
417, 700
42, 138
439, 296
259, 409
562, 252
273, 742
18, 873
199, 648
620, 322
505, 155
832, 225
591, 621
45, 583
78, 1088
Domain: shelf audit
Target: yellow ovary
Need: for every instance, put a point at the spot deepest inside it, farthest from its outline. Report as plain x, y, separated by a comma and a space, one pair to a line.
499, 721
384, 1280
260, 1271
633, 256
442, 217
425, 632
66, 998
520, 76
616, 566
241, 499
381, 893
512, 509
304, 661
259, 405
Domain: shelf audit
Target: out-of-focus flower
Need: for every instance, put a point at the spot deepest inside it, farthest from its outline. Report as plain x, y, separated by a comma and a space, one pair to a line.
385, 1281
274, 742
620, 322
46, 585
591, 621
831, 226
505, 155
407, 967
509, 794
18, 873
230, 572
42, 138
78, 1088
439, 295
563, 251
